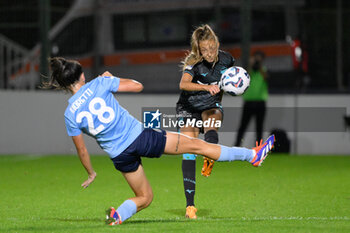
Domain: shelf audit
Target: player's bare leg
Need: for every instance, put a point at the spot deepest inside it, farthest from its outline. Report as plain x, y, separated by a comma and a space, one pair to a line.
178, 143
138, 182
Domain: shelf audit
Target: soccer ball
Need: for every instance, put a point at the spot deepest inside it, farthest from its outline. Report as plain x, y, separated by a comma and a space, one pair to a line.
235, 81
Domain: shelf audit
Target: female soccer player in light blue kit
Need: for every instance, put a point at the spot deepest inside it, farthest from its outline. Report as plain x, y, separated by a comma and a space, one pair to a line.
93, 110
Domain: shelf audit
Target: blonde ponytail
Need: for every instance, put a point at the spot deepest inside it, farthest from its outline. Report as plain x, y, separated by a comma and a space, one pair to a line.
201, 33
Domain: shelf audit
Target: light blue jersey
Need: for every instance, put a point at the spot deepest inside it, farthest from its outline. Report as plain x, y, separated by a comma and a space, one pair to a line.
95, 111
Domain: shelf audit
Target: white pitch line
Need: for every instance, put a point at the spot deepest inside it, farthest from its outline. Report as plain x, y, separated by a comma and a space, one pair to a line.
20, 158
274, 218
26, 157
346, 218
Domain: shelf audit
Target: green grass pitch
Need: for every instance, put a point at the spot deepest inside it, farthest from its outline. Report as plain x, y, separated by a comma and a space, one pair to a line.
286, 194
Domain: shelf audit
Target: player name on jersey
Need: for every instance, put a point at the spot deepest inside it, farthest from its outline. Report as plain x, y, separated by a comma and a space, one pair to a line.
78, 102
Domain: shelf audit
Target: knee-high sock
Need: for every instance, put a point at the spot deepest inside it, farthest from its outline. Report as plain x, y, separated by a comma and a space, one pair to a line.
189, 176
127, 209
211, 136
236, 153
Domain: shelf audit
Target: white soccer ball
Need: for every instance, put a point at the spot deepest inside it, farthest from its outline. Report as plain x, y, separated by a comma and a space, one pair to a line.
235, 81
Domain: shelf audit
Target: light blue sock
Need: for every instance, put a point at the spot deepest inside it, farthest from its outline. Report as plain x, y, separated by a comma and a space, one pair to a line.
187, 156
236, 153
127, 209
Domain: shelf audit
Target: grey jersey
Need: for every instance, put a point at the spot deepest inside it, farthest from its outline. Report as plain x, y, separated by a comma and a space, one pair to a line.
207, 74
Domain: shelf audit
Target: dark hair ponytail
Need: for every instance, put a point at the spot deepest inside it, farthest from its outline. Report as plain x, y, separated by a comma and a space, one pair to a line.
64, 72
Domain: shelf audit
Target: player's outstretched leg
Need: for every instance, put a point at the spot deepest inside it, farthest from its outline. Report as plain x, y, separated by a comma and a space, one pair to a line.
179, 144
262, 150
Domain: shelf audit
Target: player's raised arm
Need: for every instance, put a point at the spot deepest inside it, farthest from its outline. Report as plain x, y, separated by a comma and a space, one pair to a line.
126, 85
84, 159
129, 85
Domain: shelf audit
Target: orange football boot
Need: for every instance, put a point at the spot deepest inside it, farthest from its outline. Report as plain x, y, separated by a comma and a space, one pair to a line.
191, 212
208, 165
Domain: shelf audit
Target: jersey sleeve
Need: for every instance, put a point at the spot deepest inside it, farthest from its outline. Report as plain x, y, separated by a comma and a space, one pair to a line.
189, 69
111, 82
226, 58
72, 128
232, 60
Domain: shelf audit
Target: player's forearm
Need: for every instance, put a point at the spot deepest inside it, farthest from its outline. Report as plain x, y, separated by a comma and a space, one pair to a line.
86, 162
189, 86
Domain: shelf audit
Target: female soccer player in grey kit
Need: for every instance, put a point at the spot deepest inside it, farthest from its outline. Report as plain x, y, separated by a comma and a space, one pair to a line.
200, 99
94, 110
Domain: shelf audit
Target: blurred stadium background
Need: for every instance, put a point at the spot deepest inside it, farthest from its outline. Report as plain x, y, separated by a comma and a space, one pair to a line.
305, 41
